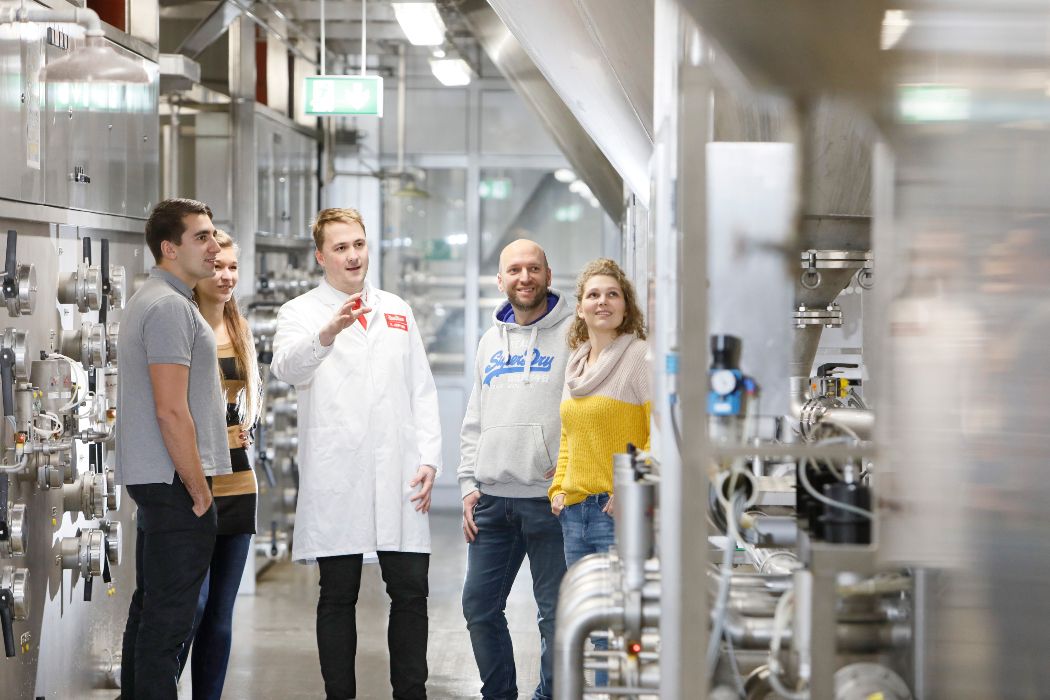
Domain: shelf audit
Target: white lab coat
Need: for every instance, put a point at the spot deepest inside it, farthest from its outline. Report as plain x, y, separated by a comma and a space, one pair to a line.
368, 418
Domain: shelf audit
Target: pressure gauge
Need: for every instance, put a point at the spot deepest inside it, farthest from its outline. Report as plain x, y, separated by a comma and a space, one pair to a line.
723, 382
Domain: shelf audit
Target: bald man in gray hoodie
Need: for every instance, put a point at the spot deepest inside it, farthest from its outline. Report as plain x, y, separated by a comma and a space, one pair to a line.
508, 451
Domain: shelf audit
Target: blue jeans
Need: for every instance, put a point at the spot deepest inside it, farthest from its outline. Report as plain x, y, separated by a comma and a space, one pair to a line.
587, 530
508, 529
213, 624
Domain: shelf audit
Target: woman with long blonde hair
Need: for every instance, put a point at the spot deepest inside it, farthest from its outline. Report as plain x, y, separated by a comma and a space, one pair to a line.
236, 493
605, 405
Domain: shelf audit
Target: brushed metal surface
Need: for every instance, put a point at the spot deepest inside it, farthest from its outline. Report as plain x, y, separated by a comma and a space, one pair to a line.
70, 642
581, 150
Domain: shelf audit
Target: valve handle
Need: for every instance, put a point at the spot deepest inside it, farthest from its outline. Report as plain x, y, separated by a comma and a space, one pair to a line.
87, 250
107, 575
88, 580
828, 369
5, 489
7, 373
7, 619
11, 265
103, 309
105, 266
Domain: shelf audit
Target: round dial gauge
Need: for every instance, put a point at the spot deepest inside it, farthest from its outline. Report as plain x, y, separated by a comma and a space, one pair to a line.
723, 382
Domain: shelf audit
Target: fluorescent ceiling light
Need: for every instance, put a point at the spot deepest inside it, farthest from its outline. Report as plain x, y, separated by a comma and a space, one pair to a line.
421, 22
452, 72
564, 175
894, 24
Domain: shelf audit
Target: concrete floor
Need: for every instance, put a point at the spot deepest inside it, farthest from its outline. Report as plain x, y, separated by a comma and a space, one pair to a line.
275, 649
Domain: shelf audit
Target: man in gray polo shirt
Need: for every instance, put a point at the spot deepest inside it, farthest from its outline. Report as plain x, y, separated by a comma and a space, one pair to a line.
171, 435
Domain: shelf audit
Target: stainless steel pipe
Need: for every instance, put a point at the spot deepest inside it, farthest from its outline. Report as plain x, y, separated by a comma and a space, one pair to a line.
574, 627
634, 520
851, 637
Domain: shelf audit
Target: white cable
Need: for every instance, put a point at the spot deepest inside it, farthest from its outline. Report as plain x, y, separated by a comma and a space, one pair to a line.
804, 480
75, 370
714, 643
90, 402
784, 608
55, 421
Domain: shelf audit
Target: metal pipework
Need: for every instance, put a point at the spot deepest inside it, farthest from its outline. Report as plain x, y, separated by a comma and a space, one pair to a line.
634, 520
84, 553
75, 15
860, 421
617, 591
583, 567
574, 626
812, 412
599, 584
87, 495
851, 637
88, 345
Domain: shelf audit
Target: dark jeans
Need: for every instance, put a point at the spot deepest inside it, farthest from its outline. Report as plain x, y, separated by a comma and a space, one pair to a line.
587, 530
405, 575
213, 624
508, 529
173, 549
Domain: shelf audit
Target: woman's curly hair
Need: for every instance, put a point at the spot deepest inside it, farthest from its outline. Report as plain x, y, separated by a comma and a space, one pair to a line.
633, 321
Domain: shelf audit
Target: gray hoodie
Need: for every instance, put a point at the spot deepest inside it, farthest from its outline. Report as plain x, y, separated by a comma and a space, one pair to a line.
512, 428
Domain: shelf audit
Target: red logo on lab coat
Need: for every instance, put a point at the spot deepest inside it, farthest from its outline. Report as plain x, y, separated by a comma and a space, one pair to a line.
396, 321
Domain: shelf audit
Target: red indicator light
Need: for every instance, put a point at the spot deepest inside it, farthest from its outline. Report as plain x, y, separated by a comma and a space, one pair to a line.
635, 648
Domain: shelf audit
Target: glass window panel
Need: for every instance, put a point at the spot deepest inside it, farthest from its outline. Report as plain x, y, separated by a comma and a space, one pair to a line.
425, 256
504, 130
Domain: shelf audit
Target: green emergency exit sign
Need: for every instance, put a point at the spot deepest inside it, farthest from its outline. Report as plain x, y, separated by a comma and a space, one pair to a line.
344, 95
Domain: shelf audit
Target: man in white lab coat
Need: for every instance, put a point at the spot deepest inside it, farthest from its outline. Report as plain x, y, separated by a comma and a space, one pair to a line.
369, 451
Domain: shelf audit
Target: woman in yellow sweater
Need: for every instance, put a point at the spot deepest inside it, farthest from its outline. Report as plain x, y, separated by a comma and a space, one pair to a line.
605, 405
605, 401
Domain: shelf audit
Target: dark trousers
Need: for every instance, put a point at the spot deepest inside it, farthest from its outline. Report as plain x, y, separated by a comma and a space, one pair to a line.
212, 633
405, 575
173, 549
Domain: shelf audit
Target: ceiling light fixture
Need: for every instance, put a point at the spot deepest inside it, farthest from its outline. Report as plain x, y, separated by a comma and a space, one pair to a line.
421, 22
452, 72
94, 61
564, 175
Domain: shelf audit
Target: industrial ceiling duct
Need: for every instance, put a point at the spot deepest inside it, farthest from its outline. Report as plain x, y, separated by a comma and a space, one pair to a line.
597, 56
586, 70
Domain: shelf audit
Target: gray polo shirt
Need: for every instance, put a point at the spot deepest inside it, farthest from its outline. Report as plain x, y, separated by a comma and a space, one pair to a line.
161, 325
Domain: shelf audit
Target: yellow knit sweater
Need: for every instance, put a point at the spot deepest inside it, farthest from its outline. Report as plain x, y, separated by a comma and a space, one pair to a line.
603, 408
